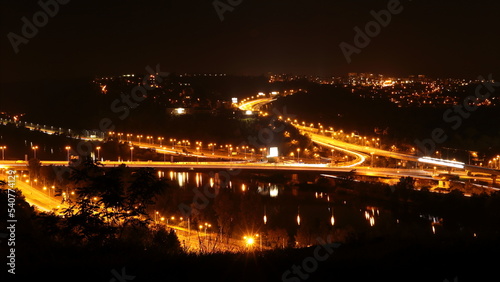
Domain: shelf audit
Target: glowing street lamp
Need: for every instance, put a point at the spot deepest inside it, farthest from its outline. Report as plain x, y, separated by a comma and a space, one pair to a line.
260, 240
298, 216
265, 215
298, 154
34, 150
98, 148
249, 240
131, 153
245, 148
263, 151
67, 149
3, 151
213, 147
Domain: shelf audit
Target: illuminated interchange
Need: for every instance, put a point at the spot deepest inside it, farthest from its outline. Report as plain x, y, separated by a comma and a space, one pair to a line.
358, 157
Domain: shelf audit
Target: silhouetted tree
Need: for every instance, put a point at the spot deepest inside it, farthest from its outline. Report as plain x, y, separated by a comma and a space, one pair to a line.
224, 206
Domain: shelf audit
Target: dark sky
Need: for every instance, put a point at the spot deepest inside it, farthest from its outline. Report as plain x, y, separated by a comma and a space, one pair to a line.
86, 38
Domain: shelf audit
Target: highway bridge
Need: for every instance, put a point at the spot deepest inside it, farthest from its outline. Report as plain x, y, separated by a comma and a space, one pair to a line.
361, 152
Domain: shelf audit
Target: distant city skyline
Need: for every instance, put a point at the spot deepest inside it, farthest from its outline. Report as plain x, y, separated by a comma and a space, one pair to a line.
445, 39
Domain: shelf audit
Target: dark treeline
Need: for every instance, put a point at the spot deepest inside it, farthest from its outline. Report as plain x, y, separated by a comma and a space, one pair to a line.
111, 233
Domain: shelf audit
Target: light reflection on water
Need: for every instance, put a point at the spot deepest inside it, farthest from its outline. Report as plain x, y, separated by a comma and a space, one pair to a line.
347, 213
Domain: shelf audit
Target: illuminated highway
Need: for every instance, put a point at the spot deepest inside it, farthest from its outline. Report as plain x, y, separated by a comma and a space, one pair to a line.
42, 200
358, 150
36, 197
254, 105
395, 173
200, 165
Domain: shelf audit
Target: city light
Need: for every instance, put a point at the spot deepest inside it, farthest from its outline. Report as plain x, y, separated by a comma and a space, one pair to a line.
249, 240
441, 162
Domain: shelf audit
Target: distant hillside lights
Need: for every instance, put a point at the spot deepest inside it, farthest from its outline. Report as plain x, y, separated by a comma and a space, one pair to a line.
39, 20
455, 116
126, 102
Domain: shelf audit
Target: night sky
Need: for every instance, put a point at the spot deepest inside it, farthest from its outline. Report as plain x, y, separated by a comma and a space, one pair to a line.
87, 38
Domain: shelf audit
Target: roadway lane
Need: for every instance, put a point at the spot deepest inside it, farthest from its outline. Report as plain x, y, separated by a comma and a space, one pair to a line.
354, 149
254, 105
229, 166
39, 199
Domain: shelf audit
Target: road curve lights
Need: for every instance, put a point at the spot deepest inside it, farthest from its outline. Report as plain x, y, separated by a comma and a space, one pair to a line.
441, 162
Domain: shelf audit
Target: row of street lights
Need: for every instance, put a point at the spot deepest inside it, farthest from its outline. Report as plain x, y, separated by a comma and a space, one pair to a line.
366, 141
35, 148
495, 162
3, 151
186, 143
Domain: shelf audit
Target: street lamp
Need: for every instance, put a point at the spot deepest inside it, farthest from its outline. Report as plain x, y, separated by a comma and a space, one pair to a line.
98, 148
139, 138
263, 151
131, 153
260, 239
249, 241
265, 216
34, 150
172, 218
161, 140
298, 154
245, 148
3, 151
213, 147
67, 149
298, 216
